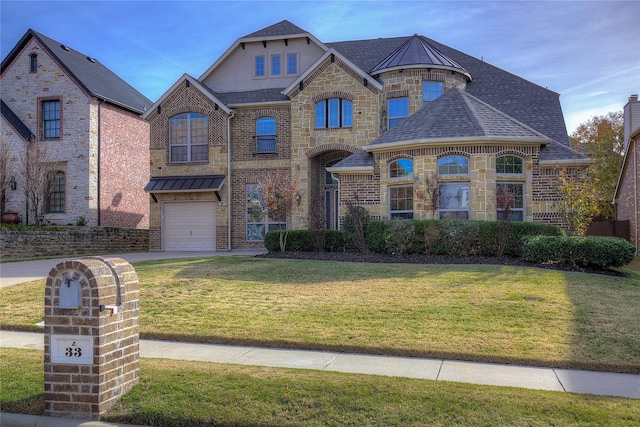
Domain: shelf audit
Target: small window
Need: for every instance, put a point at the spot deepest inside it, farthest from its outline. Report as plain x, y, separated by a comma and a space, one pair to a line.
258, 220
334, 113
188, 138
266, 135
398, 110
516, 192
275, 65
260, 72
292, 63
402, 168
453, 165
401, 201
431, 90
55, 192
454, 202
50, 119
509, 165
33, 63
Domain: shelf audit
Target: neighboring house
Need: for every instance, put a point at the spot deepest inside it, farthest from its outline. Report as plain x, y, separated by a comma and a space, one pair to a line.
366, 122
88, 122
627, 194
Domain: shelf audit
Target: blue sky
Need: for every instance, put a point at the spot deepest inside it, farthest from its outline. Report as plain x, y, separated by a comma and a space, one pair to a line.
587, 51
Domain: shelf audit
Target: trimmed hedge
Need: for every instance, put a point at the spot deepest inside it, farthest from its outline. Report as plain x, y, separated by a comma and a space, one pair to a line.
592, 251
455, 237
302, 240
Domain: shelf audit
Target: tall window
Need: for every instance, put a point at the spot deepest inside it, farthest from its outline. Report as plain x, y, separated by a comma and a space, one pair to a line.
33, 63
398, 110
266, 135
292, 63
401, 201
454, 201
55, 192
260, 72
51, 119
431, 90
334, 113
511, 165
402, 168
258, 220
275, 65
453, 165
188, 138
516, 191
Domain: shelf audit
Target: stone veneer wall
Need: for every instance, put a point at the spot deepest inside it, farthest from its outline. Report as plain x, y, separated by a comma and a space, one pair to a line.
629, 199
72, 241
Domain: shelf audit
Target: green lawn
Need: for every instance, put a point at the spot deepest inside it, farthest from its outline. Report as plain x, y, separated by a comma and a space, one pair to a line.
472, 312
178, 393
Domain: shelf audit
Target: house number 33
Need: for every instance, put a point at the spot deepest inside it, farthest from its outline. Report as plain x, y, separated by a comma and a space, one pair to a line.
73, 351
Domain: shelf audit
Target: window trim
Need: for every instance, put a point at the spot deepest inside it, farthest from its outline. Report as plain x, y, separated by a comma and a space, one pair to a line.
522, 165
188, 144
270, 137
442, 210
522, 209
401, 213
396, 119
53, 201
328, 121
43, 121
450, 173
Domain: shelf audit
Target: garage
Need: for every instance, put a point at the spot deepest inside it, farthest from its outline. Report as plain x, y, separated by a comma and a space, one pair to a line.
189, 226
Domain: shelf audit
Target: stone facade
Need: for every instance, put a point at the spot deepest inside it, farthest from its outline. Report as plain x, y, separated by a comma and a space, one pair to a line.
628, 199
102, 149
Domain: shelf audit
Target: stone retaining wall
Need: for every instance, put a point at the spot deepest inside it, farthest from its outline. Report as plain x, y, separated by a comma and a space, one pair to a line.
72, 241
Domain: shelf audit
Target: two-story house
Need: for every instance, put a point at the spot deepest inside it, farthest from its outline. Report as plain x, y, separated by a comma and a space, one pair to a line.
627, 193
84, 122
369, 122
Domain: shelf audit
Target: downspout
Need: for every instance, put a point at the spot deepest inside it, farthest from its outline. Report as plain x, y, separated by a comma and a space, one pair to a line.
233, 113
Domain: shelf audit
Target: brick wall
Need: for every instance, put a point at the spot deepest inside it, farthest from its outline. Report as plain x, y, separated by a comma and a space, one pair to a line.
72, 241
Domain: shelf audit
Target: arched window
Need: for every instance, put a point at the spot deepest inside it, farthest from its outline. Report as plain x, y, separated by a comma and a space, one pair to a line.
512, 165
453, 165
55, 192
334, 113
188, 138
402, 168
266, 135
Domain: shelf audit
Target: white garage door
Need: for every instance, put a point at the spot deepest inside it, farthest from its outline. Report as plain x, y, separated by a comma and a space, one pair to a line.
189, 226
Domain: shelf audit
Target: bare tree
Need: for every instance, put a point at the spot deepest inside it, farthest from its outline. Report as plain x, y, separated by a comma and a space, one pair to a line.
5, 154
430, 193
36, 167
504, 200
280, 195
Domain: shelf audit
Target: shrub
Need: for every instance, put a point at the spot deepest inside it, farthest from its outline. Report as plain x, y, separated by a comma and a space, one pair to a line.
302, 240
399, 236
593, 252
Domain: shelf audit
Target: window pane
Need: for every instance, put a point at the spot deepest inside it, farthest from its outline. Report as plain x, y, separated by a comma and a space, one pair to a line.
334, 113
55, 196
509, 165
179, 153
401, 168
321, 121
453, 165
51, 119
199, 153
347, 113
259, 66
198, 129
398, 110
454, 196
266, 126
400, 199
431, 90
178, 129
292, 63
33, 63
275, 65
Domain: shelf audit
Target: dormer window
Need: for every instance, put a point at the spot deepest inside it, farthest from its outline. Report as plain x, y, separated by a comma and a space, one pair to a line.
33, 63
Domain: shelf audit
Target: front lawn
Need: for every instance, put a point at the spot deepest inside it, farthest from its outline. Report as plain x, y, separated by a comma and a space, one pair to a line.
469, 312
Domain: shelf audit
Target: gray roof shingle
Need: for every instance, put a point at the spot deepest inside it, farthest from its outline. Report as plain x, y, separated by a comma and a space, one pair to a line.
95, 78
15, 122
251, 96
282, 28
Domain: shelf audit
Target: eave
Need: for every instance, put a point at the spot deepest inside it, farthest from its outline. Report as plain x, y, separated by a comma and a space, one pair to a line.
471, 140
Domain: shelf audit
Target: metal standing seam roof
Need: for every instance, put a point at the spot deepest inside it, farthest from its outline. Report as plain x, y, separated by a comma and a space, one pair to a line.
193, 183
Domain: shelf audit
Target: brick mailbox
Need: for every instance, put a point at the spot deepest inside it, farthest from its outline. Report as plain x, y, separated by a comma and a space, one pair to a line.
91, 338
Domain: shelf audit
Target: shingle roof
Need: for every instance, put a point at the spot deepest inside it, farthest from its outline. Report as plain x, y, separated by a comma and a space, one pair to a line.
457, 114
252, 96
359, 159
282, 28
15, 122
416, 51
95, 78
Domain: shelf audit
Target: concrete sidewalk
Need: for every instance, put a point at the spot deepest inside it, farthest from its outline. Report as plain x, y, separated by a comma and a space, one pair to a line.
13, 273
575, 381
